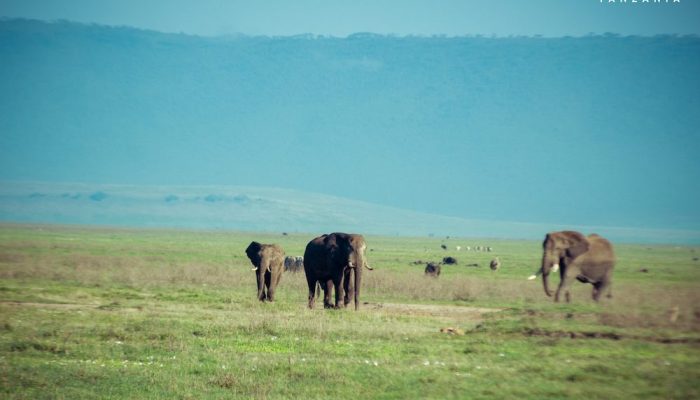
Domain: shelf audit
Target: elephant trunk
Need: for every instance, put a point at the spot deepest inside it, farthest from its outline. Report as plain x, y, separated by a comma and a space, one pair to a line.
358, 278
545, 283
260, 275
549, 263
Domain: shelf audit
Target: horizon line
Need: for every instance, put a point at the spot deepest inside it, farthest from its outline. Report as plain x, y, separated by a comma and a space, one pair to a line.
360, 34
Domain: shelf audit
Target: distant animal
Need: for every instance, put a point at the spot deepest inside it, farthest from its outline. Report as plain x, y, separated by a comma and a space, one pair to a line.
452, 331
489, 249
335, 261
458, 248
472, 265
588, 259
268, 264
289, 262
449, 260
468, 248
495, 264
645, 270
432, 269
477, 248
293, 264
443, 247
673, 313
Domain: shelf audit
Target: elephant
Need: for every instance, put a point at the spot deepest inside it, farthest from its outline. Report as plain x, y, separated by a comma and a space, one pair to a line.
335, 261
268, 263
588, 259
432, 269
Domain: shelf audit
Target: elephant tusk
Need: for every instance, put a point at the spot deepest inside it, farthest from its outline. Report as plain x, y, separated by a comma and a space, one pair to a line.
254, 269
555, 267
368, 267
350, 265
535, 275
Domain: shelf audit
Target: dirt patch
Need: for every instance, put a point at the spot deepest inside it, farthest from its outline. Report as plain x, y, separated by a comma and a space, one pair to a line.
433, 310
605, 335
67, 306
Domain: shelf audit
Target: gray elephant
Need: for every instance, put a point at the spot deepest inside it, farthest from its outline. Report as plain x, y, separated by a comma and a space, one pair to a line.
335, 261
268, 262
588, 259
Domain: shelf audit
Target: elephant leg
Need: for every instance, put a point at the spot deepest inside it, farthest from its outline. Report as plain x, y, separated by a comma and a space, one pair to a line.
605, 287
271, 288
349, 287
339, 295
327, 294
564, 285
312, 292
268, 282
596, 291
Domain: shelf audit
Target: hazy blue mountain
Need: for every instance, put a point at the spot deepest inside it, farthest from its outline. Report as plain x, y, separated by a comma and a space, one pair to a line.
598, 130
264, 210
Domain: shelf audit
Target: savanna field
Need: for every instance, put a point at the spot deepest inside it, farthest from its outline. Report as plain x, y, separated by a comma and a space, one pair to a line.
121, 313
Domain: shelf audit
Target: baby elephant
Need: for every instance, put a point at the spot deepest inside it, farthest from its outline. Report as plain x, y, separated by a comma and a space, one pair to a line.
268, 263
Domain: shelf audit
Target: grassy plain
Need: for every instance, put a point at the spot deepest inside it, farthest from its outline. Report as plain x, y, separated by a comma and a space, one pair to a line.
116, 313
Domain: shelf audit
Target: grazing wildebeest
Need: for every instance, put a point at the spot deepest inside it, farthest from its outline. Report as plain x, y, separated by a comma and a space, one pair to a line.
293, 264
495, 264
288, 263
432, 269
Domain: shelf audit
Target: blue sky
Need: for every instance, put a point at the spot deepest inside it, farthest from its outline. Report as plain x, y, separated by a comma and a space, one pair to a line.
607, 136
401, 17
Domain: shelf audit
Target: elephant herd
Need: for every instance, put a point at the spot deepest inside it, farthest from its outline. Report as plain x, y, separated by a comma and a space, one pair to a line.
331, 262
334, 263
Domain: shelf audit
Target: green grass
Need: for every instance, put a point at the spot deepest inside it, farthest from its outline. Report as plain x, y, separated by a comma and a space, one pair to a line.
117, 313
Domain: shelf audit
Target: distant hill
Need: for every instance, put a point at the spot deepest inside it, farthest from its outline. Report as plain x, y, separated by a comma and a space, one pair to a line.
599, 130
263, 210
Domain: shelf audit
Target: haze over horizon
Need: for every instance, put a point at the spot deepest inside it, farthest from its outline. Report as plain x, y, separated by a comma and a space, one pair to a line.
596, 130
549, 18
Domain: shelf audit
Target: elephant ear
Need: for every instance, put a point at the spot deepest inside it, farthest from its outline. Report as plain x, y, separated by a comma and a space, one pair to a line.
577, 246
253, 251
